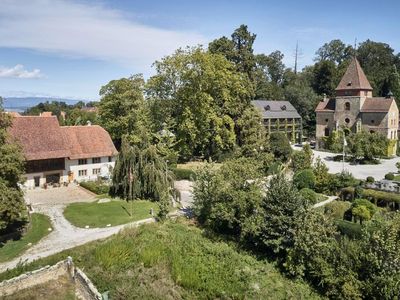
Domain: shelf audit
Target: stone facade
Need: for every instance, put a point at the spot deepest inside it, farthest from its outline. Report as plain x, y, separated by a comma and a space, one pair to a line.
354, 108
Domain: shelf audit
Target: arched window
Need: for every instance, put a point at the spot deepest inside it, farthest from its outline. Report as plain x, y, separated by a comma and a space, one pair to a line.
347, 106
347, 120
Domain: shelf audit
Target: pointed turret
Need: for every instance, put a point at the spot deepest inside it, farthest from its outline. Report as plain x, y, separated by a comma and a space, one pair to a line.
354, 82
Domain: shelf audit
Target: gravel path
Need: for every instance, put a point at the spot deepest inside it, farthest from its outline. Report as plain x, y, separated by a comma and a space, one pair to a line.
64, 236
322, 203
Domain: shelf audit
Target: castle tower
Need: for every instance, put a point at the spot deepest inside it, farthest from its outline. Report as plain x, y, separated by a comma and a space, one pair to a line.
354, 82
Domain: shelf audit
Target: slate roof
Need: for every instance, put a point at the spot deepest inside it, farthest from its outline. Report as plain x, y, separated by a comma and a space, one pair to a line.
88, 141
273, 109
377, 104
42, 137
354, 78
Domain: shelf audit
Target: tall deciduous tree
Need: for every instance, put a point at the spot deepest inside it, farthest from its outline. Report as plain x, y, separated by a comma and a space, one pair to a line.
122, 109
206, 96
335, 51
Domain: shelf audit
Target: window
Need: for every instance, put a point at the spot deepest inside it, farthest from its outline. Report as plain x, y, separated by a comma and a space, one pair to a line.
96, 171
82, 161
326, 120
347, 120
347, 106
327, 131
372, 121
96, 160
82, 172
109, 159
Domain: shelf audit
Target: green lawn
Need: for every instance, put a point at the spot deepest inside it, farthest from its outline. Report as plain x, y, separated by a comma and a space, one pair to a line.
38, 229
175, 260
115, 212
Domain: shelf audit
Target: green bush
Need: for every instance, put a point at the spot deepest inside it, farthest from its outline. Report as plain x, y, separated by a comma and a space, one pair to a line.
337, 209
96, 187
352, 230
309, 195
370, 179
184, 174
389, 176
304, 179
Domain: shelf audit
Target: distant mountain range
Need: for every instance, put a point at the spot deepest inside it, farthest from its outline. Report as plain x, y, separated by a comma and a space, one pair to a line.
22, 103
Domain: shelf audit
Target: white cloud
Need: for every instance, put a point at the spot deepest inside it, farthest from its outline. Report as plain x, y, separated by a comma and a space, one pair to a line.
18, 71
83, 30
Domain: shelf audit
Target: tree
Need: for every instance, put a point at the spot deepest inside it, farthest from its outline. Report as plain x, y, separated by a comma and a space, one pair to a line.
282, 205
269, 76
367, 146
228, 199
251, 136
122, 98
302, 159
304, 99
335, 51
324, 78
380, 258
377, 60
304, 179
322, 177
12, 204
363, 210
141, 173
280, 146
206, 95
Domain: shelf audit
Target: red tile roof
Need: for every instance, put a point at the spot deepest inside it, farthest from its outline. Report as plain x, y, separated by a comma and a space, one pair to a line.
43, 138
354, 78
327, 105
40, 137
88, 141
377, 104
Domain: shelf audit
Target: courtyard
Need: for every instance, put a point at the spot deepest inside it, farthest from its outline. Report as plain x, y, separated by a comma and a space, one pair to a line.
358, 171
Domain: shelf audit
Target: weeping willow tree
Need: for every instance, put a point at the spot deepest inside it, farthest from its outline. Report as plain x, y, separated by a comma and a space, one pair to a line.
141, 173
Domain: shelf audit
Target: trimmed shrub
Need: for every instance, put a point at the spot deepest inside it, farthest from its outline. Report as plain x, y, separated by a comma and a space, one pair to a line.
337, 209
370, 179
389, 176
96, 187
304, 179
309, 195
184, 174
352, 230
380, 197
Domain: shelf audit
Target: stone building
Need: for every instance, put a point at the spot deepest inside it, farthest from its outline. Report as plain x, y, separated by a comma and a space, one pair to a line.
355, 108
61, 154
280, 116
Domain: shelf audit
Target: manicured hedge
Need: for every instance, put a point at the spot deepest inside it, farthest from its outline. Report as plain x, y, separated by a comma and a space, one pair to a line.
96, 187
381, 196
184, 174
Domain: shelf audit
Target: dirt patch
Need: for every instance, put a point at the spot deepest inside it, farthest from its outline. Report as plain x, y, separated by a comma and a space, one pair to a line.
61, 288
61, 195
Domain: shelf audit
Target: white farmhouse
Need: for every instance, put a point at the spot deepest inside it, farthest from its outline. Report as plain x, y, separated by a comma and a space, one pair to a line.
59, 154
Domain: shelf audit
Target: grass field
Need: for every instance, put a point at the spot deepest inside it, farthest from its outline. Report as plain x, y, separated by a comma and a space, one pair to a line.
175, 260
115, 212
37, 230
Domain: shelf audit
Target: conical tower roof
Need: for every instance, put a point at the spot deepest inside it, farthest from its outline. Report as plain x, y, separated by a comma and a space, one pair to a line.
354, 78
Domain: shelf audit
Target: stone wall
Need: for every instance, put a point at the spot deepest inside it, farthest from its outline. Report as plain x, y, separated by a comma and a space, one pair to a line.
30, 279
84, 288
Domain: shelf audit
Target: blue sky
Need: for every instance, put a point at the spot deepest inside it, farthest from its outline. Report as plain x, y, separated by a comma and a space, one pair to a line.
71, 48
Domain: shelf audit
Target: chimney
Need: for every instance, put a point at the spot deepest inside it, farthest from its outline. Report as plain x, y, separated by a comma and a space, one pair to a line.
89, 123
389, 95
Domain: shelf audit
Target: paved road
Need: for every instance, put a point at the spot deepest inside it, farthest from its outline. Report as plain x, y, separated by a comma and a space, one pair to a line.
358, 171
